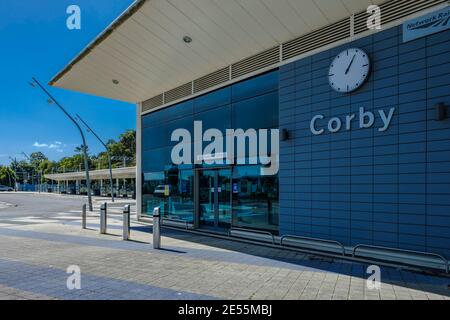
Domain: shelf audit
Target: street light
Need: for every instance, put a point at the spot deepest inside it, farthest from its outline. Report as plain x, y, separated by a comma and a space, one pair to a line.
86, 163
107, 152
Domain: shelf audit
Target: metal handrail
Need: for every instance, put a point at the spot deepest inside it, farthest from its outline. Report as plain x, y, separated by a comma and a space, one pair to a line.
314, 239
252, 231
446, 263
177, 220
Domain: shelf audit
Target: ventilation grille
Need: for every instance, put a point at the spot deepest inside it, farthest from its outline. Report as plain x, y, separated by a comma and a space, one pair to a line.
211, 80
259, 61
317, 39
394, 10
153, 102
178, 93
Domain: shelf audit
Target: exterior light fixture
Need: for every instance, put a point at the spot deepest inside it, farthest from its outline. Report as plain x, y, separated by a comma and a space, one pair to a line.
187, 39
115, 81
284, 136
441, 111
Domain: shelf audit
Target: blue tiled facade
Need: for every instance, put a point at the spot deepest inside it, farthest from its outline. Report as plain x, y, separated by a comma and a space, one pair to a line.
387, 188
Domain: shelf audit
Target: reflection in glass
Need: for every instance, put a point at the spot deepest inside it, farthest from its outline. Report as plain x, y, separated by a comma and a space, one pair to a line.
206, 197
172, 191
152, 192
215, 198
255, 199
180, 200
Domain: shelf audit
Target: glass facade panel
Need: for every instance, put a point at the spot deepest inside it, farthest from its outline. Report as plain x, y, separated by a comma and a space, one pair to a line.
206, 197
212, 100
255, 199
185, 123
158, 136
255, 87
179, 111
179, 202
236, 195
152, 191
259, 113
158, 159
219, 118
153, 119
172, 191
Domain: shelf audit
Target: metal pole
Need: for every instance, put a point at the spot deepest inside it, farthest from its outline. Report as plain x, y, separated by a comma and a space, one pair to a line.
126, 222
83, 223
103, 218
157, 228
53, 171
107, 152
110, 175
86, 163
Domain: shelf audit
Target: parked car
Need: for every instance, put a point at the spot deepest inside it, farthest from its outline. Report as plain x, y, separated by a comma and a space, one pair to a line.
5, 188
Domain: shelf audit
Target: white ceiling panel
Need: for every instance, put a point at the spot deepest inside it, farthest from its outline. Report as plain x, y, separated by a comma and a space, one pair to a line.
287, 16
334, 9
144, 49
309, 12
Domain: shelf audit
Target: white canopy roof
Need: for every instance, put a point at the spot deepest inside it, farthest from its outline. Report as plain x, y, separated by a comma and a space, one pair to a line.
118, 173
144, 48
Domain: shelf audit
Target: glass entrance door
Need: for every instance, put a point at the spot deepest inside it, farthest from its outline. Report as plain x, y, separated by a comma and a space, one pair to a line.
214, 198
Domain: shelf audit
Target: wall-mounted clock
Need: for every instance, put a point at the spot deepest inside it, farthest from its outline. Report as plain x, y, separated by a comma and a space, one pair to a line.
349, 70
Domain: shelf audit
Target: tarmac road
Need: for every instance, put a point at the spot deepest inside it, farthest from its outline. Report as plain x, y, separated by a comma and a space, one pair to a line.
20, 204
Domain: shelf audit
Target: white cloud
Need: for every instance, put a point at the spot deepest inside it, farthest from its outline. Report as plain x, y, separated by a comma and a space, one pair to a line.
57, 145
40, 145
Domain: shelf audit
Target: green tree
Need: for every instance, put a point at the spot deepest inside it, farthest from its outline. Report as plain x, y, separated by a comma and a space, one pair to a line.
6, 176
36, 158
46, 167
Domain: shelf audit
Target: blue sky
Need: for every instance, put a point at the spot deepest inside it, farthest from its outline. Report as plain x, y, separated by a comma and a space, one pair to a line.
36, 42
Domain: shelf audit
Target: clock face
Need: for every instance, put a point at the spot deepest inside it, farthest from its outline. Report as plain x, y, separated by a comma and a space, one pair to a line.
349, 70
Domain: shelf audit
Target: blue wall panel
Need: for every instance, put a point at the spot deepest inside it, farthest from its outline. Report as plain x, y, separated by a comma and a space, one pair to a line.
387, 188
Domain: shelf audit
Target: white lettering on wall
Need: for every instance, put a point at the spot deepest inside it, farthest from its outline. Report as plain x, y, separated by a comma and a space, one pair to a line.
366, 120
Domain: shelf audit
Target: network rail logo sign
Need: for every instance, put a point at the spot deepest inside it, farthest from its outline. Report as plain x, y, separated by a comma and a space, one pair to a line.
432, 23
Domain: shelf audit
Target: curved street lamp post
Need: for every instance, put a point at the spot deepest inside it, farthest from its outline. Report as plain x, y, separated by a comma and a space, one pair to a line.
86, 163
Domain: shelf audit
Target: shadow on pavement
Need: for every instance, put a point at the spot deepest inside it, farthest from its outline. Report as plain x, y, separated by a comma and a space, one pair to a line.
438, 284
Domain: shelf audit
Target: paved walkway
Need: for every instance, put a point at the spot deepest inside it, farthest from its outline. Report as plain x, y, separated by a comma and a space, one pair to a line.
35, 256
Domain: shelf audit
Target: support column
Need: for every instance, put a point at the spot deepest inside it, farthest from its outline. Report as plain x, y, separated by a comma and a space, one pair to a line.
138, 184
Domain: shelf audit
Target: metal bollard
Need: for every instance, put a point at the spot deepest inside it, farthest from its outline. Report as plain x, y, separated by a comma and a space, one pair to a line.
103, 218
83, 217
126, 222
156, 228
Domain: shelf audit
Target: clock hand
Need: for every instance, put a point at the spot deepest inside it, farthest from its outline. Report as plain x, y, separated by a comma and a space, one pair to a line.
351, 62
